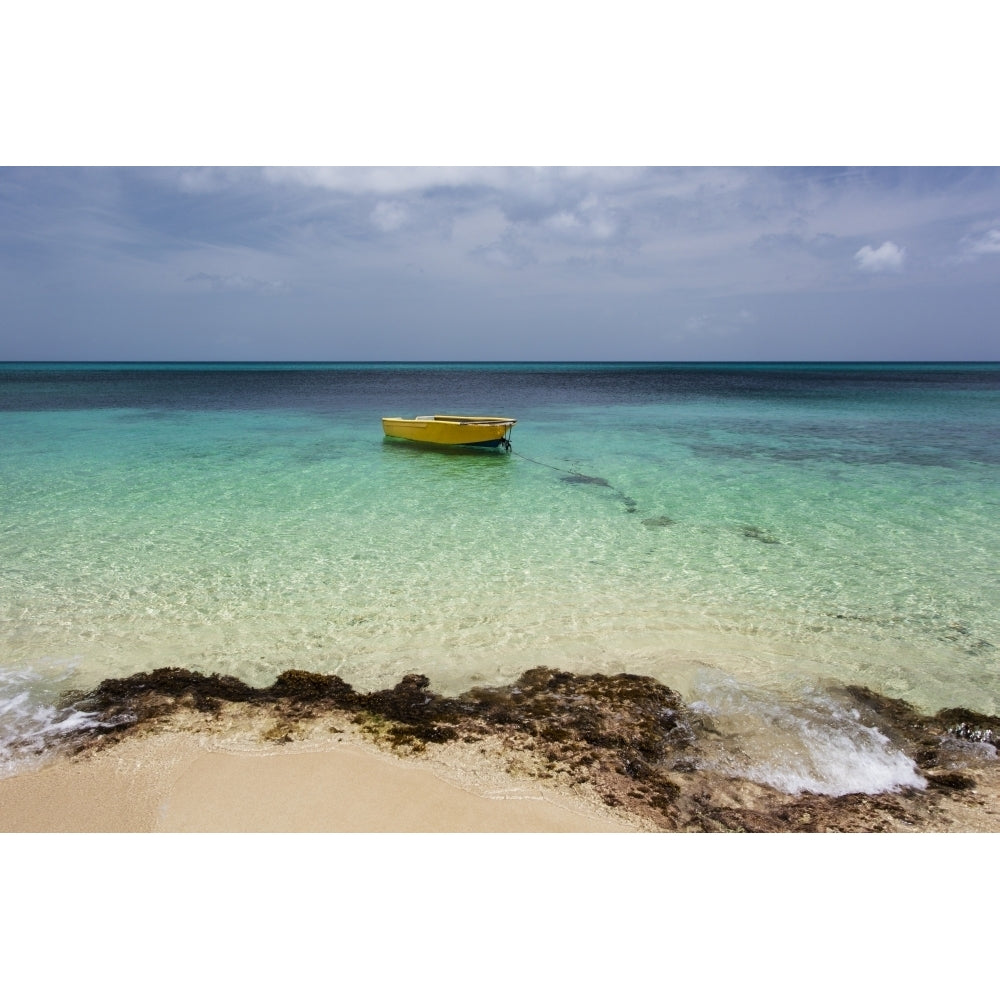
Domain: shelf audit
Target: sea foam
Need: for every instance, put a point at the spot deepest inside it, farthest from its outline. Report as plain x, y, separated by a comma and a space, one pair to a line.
811, 742
31, 718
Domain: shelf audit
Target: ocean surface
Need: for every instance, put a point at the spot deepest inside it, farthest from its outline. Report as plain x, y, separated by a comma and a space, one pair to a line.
755, 536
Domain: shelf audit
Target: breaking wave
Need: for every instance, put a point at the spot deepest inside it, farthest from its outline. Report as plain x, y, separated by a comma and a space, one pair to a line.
31, 718
812, 743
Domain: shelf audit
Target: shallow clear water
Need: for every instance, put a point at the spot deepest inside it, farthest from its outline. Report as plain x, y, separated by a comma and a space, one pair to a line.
766, 532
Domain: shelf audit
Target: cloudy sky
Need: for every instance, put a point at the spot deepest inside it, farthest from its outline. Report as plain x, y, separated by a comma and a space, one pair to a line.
437, 263
429, 263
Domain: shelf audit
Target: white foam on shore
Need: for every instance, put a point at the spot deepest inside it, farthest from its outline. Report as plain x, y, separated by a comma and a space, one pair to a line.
30, 716
809, 743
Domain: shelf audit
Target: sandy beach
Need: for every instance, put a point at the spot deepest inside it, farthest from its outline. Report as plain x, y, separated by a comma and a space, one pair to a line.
185, 781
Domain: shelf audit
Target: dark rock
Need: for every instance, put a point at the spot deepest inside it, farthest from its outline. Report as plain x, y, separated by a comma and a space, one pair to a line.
972, 726
304, 686
950, 779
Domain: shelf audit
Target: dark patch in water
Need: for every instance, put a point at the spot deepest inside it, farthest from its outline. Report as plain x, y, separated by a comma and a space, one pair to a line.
962, 636
577, 478
658, 522
758, 534
955, 632
628, 738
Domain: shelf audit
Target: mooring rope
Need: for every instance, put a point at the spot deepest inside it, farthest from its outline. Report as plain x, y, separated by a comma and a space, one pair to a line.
571, 475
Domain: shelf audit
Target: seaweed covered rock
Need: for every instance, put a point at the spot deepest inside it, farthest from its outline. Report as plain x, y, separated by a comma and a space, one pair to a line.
972, 726
623, 711
413, 713
160, 692
615, 732
304, 686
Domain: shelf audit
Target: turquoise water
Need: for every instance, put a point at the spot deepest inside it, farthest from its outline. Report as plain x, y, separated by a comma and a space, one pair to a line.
765, 533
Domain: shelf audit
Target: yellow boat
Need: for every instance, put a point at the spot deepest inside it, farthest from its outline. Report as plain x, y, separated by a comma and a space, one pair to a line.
450, 429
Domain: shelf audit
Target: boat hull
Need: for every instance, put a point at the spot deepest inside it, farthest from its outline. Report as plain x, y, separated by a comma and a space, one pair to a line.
451, 430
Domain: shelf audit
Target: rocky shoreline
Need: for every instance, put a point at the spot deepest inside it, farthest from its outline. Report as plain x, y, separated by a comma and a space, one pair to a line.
625, 740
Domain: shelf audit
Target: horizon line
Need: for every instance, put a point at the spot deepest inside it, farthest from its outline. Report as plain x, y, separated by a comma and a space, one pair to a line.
467, 361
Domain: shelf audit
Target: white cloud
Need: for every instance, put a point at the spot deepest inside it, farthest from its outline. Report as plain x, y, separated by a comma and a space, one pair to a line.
541, 182
234, 282
888, 257
389, 180
987, 243
389, 215
507, 252
585, 224
564, 222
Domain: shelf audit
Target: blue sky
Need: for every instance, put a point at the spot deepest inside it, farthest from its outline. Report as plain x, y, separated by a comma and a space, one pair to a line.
438, 263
